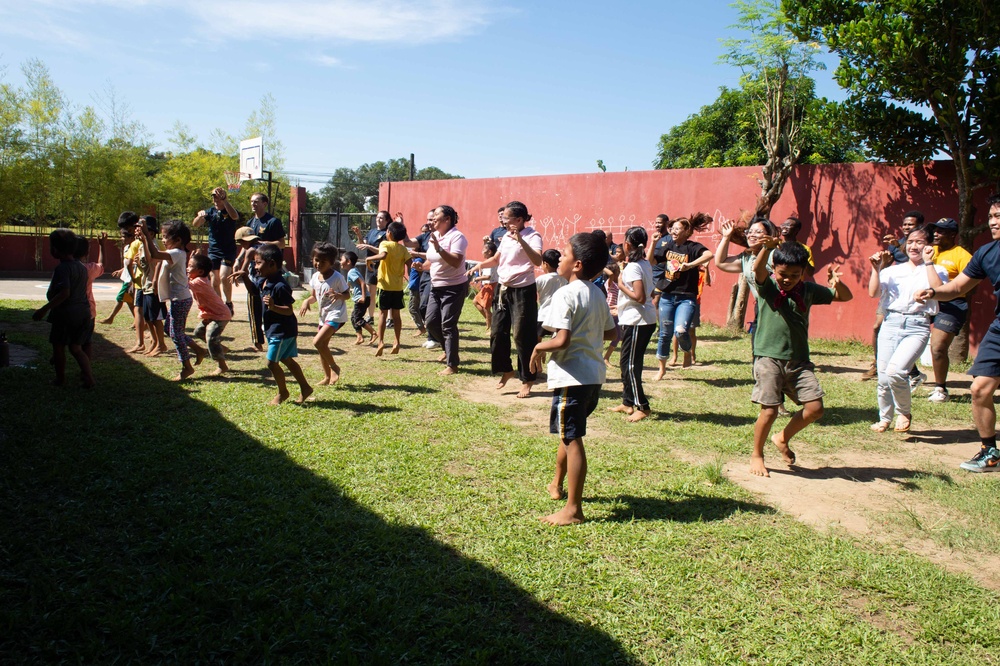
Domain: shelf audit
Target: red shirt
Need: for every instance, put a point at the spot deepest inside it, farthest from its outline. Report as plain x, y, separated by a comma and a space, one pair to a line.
210, 305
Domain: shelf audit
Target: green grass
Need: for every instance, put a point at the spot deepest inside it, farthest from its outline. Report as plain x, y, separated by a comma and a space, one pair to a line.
393, 520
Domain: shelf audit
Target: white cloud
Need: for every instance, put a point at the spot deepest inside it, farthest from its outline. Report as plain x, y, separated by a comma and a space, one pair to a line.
405, 22
326, 61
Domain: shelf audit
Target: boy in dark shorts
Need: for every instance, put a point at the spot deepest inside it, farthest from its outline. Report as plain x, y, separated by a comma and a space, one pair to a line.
393, 260
581, 321
280, 325
984, 265
359, 296
781, 344
67, 308
154, 310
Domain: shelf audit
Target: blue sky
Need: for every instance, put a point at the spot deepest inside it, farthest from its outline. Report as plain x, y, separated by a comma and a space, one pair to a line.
480, 88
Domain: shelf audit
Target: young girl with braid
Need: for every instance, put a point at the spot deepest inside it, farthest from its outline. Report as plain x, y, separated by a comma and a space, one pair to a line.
637, 321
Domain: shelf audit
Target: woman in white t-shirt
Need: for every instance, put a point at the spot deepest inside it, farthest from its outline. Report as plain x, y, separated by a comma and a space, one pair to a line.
906, 328
449, 284
637, 320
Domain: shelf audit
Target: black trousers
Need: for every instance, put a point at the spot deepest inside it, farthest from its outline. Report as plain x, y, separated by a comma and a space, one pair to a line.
515, 310
635, 340
443, 310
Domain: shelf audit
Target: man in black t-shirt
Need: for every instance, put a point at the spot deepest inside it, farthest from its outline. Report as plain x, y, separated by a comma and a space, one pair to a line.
222, 220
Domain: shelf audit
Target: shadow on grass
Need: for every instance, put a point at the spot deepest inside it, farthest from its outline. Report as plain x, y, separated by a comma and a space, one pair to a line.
159, 532
722, 419
722, 382
687, 509
941, 437
405, 388
897, 475
358, 409
846, 415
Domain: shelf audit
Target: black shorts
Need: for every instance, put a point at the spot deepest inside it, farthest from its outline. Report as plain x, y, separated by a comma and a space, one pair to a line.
571, 405
67, 333
218, 261
987, 363
389, 300
152, 308
950, 317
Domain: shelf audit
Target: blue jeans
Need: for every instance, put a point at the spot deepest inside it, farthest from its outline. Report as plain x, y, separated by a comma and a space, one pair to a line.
675, 319
900, 342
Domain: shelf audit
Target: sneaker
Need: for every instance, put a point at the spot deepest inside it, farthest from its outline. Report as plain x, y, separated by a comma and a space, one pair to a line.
870, 373
939, 394
916, 380
430, 344
987, 460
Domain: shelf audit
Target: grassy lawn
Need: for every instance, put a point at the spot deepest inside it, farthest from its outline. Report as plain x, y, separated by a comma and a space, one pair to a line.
393, 520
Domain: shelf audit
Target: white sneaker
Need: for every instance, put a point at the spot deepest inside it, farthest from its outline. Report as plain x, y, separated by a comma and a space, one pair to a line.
430, 344
939, 394
916, 380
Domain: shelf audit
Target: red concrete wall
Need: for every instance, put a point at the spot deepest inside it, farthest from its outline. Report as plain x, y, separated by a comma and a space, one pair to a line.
844, 208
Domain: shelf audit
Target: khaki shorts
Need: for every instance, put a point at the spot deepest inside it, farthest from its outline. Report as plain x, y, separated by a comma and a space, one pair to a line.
775, 378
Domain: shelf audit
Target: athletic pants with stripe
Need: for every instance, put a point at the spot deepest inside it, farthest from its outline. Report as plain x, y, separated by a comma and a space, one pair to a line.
635, 340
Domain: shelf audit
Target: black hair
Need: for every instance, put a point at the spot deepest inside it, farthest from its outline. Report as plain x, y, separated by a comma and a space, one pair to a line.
150, 223
790, 254
637, 238
202, 263
352, 257
600, 234
325, 250
662, 219
491, 247
927, 232
82, 248
62, 241
916, 215
270, 252
591, 252
993, 201
501, 209
179, 230
450, 213
127, 220
518, 210
551, 257
769, 227
396, 231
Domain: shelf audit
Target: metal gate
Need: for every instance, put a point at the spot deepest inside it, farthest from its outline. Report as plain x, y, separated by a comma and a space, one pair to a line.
334, 228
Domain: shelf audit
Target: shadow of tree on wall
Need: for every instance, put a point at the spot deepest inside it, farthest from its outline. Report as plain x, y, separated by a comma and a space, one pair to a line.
140, 525
929, 190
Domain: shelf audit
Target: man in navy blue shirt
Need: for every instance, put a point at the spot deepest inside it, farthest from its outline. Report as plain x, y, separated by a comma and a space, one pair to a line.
984, 265
265, 226
222, 220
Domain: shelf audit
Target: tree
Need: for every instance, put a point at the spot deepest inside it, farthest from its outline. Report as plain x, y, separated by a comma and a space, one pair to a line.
923, 77
356, 190
775, 69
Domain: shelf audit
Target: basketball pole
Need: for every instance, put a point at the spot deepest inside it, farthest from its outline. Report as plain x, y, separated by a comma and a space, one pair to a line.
269, 202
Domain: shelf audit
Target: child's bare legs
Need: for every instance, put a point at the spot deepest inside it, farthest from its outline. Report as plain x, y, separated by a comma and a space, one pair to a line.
159, 339
279, 379
331, 371
488, 313
59, 364
761, 429
397, 329
380, 335
576, 474
693, 332
673, 358
811, 411
140, 333
110, 319
304, 389
556, 487
662, 371
86, 376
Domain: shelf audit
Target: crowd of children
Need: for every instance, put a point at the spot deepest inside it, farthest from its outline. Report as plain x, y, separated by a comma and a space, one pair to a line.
591, 292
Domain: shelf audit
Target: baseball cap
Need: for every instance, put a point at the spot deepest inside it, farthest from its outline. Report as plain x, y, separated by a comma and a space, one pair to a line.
246, 234
945, 224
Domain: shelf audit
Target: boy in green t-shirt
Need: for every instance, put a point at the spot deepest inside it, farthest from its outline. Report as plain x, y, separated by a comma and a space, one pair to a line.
394, 264
781, 345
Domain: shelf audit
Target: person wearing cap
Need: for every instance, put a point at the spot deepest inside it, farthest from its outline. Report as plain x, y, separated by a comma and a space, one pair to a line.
249, 241
953, 314
984, 265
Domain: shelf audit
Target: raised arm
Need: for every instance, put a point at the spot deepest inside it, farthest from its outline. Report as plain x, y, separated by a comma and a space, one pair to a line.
725, 263
841, 293
878, 261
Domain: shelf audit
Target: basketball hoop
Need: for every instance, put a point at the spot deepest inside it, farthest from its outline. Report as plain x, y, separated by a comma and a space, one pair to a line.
234, 179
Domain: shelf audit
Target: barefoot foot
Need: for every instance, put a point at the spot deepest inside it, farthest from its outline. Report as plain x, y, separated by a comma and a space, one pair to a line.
786, 453
280, 398
379, 350
394, 350
504, 378
638, 415
757, 467
624, 409
525, 391
564, 517
323, 382
448, 371
306, 392
659, 375
555, 491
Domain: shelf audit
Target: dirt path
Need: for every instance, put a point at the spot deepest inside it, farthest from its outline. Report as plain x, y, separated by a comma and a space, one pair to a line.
866, 494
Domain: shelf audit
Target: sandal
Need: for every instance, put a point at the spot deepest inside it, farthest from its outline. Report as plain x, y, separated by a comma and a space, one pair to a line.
881, 426
902, 423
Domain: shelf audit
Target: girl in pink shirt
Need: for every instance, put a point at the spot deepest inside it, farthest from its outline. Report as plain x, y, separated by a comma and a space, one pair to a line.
213, 313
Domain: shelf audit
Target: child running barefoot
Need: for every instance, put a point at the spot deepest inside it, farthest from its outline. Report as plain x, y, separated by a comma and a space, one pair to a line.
213, 312
280, 325
580, 320
781, 345
67, 309
329, 289
487, 281
637, 319
393, 264
173, 287
359, 296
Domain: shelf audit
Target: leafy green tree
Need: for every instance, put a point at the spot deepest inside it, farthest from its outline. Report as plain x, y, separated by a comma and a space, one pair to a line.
923, 78
775, 69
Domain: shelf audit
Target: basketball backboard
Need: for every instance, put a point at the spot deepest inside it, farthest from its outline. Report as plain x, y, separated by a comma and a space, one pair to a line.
252, 157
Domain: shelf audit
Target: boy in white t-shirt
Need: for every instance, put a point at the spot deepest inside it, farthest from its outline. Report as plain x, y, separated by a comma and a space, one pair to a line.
580, 321
329, 289
547, 284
